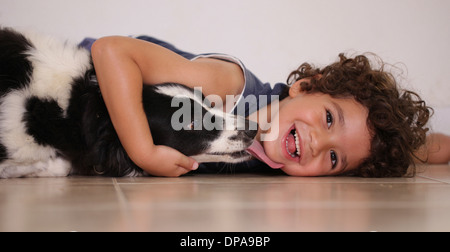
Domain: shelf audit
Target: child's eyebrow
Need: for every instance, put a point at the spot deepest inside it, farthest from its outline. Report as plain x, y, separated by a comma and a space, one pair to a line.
340, 113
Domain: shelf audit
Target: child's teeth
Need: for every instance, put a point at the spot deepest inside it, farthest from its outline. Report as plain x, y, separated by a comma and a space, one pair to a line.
297, 146
297, 143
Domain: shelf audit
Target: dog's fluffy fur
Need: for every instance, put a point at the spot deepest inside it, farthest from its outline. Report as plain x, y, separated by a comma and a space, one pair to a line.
53, 121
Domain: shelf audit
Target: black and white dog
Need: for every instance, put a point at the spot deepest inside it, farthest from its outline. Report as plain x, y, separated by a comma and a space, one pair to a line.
53, 121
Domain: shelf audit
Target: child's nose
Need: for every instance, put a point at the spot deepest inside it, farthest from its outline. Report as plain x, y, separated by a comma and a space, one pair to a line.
319, 142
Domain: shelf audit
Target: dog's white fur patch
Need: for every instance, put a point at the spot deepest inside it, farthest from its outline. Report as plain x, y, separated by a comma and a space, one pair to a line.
53, 167
55, 66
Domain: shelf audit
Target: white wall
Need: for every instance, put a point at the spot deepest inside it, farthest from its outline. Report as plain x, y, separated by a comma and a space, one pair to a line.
271, 37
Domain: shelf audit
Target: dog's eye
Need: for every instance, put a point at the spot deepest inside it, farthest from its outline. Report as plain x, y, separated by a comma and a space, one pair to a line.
191, 126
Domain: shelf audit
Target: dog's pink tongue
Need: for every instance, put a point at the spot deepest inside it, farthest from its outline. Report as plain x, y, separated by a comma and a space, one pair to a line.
257, 151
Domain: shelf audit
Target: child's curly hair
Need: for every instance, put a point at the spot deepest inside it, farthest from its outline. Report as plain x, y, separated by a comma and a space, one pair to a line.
396, 119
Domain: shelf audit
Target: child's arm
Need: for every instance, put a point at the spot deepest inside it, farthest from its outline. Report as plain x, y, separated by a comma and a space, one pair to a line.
122, 64
436, 150
439, 149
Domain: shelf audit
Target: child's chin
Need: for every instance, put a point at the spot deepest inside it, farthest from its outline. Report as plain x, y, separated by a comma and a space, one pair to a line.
289, 171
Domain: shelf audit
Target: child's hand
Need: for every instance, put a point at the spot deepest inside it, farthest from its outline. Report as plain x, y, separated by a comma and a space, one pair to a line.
167, 162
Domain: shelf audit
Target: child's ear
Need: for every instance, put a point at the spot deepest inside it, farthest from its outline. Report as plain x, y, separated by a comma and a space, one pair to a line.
296, 89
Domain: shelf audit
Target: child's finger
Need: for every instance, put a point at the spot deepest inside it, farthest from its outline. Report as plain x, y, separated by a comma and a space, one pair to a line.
188, 163
183, 170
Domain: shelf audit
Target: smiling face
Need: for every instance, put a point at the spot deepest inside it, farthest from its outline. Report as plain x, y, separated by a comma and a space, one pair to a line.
318, 135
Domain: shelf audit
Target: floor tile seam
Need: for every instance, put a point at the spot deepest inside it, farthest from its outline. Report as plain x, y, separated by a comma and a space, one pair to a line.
435, 179
120, 195
124, 208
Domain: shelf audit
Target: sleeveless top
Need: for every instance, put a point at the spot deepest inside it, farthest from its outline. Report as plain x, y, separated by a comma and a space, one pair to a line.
263, 92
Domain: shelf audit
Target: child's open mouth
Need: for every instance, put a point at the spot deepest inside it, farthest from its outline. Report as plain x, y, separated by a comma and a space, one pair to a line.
292, 144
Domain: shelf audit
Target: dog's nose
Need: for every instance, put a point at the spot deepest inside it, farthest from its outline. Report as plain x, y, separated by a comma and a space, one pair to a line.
251, 133
251, 129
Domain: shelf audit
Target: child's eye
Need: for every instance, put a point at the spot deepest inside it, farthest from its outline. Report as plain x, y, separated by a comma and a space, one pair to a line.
334, 159
330, 119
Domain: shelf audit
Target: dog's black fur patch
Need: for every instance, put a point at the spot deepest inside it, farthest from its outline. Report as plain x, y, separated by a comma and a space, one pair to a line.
15, 68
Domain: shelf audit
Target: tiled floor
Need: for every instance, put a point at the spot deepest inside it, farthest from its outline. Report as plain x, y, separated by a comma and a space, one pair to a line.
240, 202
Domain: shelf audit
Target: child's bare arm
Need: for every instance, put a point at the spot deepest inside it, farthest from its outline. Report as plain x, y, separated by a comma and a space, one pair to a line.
122, 66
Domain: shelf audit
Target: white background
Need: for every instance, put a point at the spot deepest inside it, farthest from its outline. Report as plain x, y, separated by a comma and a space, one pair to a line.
271, 37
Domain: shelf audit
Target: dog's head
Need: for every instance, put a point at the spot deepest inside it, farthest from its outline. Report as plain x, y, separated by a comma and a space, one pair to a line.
181, 118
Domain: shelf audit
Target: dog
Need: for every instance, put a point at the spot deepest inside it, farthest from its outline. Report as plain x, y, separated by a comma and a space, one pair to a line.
54, 122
